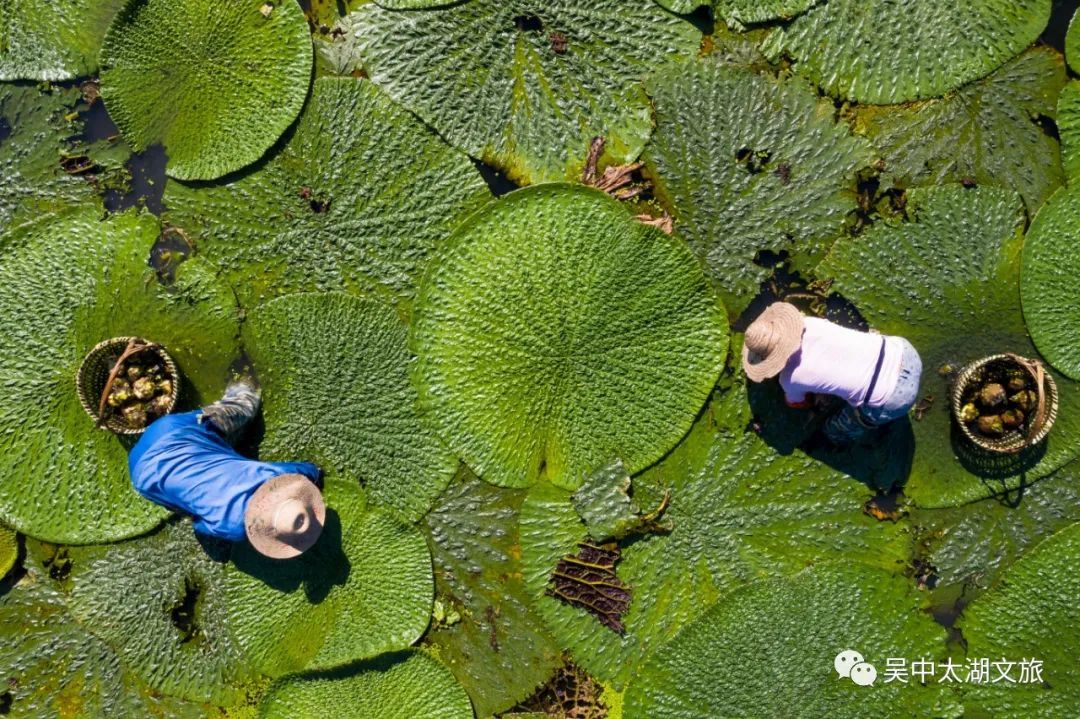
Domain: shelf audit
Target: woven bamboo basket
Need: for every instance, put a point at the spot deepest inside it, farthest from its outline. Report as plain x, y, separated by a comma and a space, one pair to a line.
1035, 427
98, 368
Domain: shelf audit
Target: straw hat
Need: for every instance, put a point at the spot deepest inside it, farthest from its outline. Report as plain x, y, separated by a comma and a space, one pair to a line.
770, 341
285, 516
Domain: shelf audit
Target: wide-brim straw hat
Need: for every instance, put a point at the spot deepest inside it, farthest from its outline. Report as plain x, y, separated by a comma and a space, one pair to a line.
285, 516
771, 339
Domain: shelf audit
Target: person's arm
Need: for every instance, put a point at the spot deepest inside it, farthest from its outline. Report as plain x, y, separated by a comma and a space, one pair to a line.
307, 469
807, 401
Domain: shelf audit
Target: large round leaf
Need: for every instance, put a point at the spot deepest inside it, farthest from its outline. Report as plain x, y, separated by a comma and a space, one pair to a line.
335, 375
1072, 44
972, 544
50, 666
66, 283
885, 52
216, 83
32, 131
159, 602
365, 588
499, 649
526, 84
747, 164
395, 686
554, 332
768, 650
1068, 124
359, 196
1029, 616
739, 510
9, 550
743, 12
947, 279
52, 39
1050, 281
988, 132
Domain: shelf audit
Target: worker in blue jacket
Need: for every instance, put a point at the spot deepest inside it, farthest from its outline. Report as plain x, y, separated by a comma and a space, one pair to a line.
186, 462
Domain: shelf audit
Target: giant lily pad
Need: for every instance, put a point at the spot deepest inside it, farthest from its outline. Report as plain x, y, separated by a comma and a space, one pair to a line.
335, 375
50, 666
9, 550
66, 283
358, 197
747, 164
526, 84
159, 602
52, 39
987, 132
886, 52
1028, 616
768, 650
363, 589
947, 279
554, 332
215, 83
1050, 281
743, 12
974, 543
32, 129
395, 686
499, 649
739, 511
1068, 123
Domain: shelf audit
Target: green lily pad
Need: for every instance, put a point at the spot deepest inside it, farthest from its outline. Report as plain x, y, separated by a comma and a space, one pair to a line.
67, 282
768, 650
395, 686
335, 375
739, 510
9, 550
974, 543
888, 52
554, 333
1049, 272
358, 197
1029, 615
31, 179
987, 132
365, 588
50, 666
159, 603
947, 279
499, 650
526, 84
52, 39
746, 163
227, 80
1072, 44
604, 503
737, 13
1068, 124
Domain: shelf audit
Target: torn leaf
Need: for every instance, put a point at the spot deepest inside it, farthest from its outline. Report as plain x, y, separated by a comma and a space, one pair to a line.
603, 502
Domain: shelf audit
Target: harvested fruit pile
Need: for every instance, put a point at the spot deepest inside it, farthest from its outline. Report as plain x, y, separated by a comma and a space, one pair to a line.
142, 390
1006, 400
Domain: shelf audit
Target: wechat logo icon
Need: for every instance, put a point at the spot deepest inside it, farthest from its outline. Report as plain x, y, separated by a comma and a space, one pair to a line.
849, 664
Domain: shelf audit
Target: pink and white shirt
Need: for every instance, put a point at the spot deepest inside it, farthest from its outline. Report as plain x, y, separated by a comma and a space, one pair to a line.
838, 361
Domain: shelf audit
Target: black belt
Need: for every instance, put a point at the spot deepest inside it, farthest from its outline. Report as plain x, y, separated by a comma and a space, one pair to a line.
877, 371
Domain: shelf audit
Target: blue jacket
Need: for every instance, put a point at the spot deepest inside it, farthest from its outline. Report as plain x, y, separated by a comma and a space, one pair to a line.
189, 467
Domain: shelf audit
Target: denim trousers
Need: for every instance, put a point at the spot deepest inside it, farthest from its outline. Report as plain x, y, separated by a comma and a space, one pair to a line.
853, 424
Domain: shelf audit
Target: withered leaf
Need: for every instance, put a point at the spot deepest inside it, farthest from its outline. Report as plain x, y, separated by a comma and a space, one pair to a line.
588, 581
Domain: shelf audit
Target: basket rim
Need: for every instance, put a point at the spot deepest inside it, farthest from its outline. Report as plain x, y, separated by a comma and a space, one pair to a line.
118, 427
989, 444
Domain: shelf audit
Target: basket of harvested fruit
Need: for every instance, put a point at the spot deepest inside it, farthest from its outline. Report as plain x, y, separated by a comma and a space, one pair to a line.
125, 383
1005, 403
